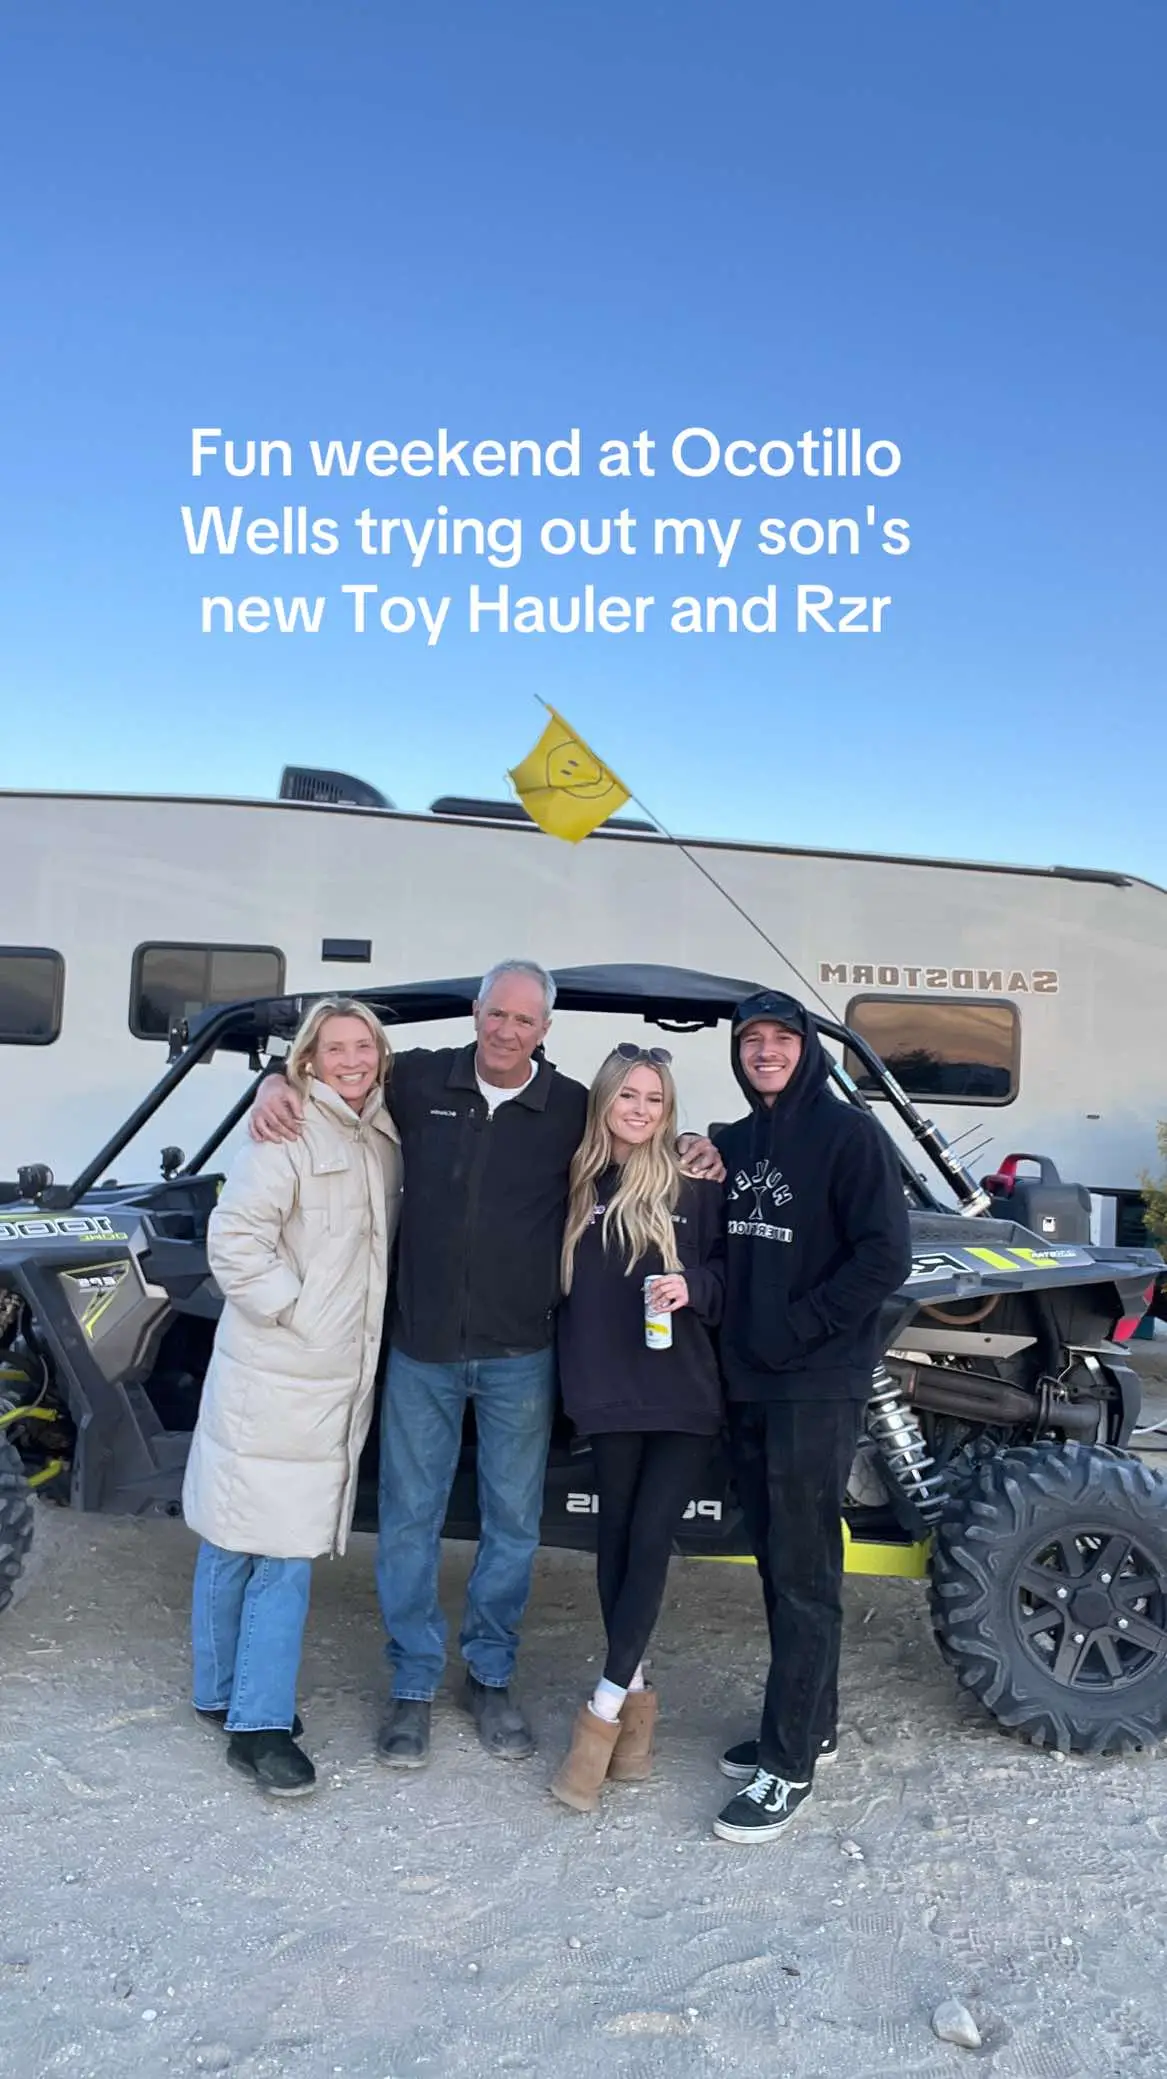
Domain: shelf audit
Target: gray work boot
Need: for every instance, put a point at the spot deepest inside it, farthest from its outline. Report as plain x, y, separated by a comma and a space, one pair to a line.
404, 1739
498, 1721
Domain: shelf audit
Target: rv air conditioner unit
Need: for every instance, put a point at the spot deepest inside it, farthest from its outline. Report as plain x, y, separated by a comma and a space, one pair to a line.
511, 812
334, 789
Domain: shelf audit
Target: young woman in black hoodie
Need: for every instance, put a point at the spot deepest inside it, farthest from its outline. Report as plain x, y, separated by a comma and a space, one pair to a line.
649, 1413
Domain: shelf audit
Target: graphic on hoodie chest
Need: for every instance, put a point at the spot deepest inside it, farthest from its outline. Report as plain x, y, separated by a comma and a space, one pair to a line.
753, 1197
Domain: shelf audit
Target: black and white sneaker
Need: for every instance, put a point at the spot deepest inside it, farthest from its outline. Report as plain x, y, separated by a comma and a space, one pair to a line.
765, 1808
740, 1763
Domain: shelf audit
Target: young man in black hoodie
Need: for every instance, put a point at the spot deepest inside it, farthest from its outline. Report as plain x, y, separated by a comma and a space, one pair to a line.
817, 1238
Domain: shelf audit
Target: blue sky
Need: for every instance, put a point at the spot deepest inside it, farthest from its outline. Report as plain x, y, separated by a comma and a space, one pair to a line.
287, 218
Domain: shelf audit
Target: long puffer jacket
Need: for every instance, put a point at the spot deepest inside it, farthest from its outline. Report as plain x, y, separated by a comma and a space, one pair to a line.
299, 1245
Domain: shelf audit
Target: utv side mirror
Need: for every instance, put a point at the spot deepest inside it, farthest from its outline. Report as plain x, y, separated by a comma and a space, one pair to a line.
33, 1180
172, 1161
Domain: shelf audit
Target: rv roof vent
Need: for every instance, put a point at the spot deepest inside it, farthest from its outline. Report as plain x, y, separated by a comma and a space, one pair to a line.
509, 812
312, 783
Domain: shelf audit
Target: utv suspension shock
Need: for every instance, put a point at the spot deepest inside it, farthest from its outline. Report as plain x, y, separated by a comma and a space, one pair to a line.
894, 1428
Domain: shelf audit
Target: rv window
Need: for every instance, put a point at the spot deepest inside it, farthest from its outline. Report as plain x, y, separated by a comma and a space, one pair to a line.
32, 987
959, 1052
176, 981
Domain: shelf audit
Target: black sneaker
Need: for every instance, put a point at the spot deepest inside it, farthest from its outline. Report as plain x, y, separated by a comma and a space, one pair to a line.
273, 1761
740, 1763
498, 1721
219, 1718
404, 1739
765, 1808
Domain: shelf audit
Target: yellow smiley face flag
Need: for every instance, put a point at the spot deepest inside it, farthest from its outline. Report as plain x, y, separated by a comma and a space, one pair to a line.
563, 786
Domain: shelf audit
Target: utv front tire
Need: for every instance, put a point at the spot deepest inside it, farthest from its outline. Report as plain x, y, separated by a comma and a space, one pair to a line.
1049, 1596
16, 1520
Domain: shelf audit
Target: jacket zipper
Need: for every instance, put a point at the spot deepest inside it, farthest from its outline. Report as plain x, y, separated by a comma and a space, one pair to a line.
471, 1228
353, 1470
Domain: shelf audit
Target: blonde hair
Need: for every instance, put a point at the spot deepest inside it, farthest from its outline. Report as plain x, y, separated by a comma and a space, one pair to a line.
302, 1056
640, 1214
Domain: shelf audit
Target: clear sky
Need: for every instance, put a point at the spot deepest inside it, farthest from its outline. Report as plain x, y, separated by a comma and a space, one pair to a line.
937, 220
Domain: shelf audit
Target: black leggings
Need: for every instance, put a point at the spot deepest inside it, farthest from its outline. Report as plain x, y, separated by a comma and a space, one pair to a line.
643, 1482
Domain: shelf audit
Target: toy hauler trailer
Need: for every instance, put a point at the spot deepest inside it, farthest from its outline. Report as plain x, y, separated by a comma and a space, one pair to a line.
1023, 1007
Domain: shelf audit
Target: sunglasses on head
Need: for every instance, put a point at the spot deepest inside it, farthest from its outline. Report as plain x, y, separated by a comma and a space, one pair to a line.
629, 1051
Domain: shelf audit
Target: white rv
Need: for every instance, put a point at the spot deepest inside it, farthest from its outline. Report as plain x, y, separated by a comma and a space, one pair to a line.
1024, 1007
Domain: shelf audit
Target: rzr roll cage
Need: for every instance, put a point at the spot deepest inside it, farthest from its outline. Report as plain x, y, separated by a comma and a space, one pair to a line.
676, 999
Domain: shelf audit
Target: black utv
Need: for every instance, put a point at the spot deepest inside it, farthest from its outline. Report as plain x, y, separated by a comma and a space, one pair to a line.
995, 1461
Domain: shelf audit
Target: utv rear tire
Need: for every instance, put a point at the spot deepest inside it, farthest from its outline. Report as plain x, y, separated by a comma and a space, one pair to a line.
1049, 1595
16, 1520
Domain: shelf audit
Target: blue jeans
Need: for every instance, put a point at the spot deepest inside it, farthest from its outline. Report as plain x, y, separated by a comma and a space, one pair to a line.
247, 1628
421, 1437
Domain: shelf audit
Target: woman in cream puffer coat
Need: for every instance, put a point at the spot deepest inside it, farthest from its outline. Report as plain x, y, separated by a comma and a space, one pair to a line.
300, 1245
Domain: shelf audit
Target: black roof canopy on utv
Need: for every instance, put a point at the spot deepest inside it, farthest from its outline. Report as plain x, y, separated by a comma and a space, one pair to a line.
678, 996
956, 1256
674, 998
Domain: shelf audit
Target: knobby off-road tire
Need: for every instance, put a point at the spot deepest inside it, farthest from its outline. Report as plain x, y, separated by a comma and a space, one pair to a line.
16, 1520
1049, 1595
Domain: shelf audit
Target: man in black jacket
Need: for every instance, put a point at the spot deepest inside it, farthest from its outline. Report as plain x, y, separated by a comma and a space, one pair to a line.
487, 1133
817, 1237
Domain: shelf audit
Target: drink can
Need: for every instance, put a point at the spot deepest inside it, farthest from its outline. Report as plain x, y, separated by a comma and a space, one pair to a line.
658, 1328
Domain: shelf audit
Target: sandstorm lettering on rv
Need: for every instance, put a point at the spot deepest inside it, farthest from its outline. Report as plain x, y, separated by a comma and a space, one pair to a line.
986, 981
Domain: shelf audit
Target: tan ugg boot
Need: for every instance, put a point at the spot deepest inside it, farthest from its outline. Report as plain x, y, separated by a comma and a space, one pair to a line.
581, 1776
632, 1759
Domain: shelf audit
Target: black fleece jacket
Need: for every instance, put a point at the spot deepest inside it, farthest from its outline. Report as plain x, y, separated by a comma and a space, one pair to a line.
477, 1271
610, 1380
817, 1237
483, 1206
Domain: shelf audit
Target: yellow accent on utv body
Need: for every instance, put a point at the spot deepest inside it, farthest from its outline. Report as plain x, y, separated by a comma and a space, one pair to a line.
860, 1556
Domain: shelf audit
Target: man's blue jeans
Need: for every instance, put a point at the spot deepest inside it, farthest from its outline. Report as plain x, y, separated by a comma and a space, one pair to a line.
421, 1437
247, 1629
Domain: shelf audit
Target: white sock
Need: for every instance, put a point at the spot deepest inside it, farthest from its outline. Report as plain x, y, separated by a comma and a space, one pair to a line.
638, 1681
607, 1700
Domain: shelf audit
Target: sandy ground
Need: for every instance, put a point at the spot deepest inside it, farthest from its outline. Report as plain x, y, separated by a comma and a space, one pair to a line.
160, 1918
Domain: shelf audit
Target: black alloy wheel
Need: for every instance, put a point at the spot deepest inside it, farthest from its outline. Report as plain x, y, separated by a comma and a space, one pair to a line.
1092, 1608
1049, 1595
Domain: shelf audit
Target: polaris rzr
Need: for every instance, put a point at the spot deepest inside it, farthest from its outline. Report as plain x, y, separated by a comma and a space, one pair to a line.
995, 1459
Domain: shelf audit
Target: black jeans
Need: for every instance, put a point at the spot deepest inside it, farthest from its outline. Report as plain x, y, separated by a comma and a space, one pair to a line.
790, 1464
644, 1482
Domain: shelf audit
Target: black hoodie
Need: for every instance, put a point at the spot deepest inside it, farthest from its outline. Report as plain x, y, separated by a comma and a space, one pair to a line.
817, 1233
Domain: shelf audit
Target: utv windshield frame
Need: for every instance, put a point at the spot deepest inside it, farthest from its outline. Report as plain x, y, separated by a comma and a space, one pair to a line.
678, 1000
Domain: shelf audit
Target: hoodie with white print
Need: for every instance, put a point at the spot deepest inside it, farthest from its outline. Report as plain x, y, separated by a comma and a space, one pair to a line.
817, 1234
